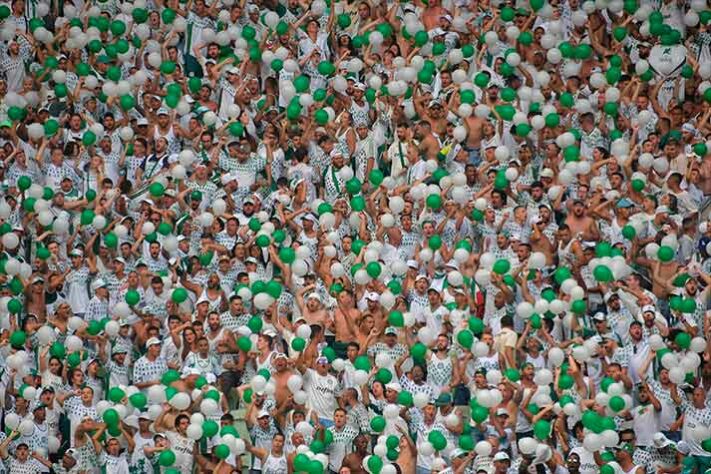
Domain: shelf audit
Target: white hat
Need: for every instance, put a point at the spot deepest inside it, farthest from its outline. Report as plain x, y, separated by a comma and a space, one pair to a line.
263, 413
661, 441
649, 308
393, 386
314, 296
501, 456
547, 173
152, 341
233, 70
98, 283
372, 296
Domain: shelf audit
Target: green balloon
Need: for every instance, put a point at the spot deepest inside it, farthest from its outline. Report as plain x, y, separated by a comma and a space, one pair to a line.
168, 16
156, 189
508, 14
89, 138
465, 338
421, 38
132, 297
344, 21
87, 217
210, 428
18, 338
542, 429
138, 400
418, 351
353, 186
467, 96
375, 464
298, 344
617, 403
57, 349
434, 201
565, 382
502, 266
512, 374
140, 15
629, 232
116, 394
665, 253
321, 117
376, 177
110, 416
127, 102
301, 83
603, 273
222, 451
244, 343
358, 203
167, 458
377, 424
373, 269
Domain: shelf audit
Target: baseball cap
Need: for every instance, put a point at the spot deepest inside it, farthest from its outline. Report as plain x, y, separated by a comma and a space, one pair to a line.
457, 452
98, 283
263, 413
610, 295
372, 296
600, 316
142, 121
421, 277
649, 308
314, 296
413, 264
152, 341
502, 412
443, 399
501, 456
547, 173
662, 210
661, 441
76, 253
390, 331
163, 111
393, 386
624, 203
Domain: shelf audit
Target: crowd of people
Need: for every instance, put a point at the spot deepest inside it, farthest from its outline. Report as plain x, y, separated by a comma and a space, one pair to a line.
355, 236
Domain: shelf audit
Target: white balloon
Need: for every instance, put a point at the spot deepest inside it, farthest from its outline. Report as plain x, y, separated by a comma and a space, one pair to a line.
26, 427
180, 401
194, 431
294, 383
527, 445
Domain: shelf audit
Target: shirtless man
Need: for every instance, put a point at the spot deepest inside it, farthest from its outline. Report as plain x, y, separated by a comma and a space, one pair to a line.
475, 127
354, 460
432, 15
311, 307
580, 223
281, 374
433, 112
539, 241
345, 318
428, 145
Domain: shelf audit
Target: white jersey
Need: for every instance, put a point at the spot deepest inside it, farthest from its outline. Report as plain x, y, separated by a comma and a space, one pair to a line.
321, 391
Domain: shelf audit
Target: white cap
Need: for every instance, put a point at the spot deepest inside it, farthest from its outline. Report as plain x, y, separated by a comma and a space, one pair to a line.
263, 413
547, 173
98, 283
501, 456
152, 341
372, 296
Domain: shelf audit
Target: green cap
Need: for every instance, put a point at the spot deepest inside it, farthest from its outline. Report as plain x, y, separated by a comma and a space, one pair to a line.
104, 59
6, 123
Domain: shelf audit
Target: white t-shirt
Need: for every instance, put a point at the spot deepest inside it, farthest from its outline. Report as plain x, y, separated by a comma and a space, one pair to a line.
321, 391
587, 460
